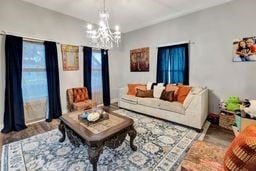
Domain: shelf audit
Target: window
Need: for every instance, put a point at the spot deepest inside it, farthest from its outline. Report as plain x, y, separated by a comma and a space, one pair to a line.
34, 81
96, 76
173, 64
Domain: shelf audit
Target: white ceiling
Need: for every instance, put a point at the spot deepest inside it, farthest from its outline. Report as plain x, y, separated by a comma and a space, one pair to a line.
128, 14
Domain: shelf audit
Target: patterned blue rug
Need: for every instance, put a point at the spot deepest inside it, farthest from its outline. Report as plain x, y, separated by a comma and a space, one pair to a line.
161, 146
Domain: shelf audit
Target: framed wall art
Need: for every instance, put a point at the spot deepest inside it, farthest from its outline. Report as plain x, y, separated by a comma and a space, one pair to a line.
139, 60
244, 49
70, 57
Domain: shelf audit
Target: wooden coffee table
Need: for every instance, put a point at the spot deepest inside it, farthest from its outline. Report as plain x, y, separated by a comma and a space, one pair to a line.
110, 133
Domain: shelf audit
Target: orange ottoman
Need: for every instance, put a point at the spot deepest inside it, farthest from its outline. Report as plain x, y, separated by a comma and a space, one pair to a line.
203, 156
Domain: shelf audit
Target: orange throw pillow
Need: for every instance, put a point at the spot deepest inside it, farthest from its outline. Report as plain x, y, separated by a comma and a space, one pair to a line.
132, 88
80, 94
141, 87
241, 154
182, 93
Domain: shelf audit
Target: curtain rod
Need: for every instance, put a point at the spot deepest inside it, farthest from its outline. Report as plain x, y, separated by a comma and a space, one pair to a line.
177, 43
25, 37
40, 40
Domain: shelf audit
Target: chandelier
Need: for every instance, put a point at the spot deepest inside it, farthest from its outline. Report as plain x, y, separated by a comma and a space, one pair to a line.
103, 37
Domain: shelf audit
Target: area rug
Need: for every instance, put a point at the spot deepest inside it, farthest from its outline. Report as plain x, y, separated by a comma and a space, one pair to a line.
161, 146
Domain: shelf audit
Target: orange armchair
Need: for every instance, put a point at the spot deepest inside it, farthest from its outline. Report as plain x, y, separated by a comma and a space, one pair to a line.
78, 99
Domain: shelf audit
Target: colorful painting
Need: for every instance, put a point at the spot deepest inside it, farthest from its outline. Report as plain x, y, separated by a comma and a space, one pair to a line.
139, 60
70, 57
244, 50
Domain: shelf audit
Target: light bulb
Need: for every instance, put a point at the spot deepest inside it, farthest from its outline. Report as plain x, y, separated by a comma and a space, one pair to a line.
89, 26
117, 28
101, 23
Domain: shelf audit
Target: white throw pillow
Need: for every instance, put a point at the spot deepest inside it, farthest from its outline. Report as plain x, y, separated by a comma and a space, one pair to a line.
160, 84
149, 84
158, 91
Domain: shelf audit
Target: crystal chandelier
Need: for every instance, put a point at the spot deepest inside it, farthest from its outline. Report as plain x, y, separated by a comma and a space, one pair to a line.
103, 37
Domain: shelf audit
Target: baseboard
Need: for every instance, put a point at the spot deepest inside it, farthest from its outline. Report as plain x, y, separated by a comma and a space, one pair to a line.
30, 123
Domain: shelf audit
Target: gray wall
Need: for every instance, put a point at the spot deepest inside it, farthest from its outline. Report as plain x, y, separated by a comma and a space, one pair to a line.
213, 31
20, 18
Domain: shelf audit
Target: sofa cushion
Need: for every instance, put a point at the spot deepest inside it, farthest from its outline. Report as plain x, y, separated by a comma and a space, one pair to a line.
88, 104
80, 94
144, 93
130, 99
151, 102
172, 106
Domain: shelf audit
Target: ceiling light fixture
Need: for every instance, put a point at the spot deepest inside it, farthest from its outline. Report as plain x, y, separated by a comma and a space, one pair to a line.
103, 37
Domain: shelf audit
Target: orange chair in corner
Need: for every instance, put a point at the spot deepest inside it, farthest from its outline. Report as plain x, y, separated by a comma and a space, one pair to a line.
78, 99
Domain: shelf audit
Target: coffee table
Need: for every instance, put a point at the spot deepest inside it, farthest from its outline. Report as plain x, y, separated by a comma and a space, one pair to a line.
111, 133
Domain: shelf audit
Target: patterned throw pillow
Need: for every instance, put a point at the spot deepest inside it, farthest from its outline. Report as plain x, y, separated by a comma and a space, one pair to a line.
167, 95
80, 94
241, 154
144, 93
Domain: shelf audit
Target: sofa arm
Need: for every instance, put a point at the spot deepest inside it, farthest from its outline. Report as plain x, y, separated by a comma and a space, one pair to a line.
198, 107
122, 92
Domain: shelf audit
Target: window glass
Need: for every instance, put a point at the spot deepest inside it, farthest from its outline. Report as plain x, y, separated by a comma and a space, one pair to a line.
96, 77
34, 82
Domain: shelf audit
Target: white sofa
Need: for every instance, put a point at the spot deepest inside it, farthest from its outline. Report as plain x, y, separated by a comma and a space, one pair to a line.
192, 112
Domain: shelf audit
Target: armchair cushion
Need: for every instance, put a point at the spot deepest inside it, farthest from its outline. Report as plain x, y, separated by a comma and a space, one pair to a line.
88, 104
77, 99
80, 94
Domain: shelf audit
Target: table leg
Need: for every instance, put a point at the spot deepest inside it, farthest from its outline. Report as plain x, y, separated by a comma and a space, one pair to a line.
62, 130
132, 133
94, 154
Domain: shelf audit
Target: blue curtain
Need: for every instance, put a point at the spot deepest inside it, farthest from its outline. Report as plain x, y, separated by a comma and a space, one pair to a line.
88, 69
173, 64
52, 72
105, 77
13, 111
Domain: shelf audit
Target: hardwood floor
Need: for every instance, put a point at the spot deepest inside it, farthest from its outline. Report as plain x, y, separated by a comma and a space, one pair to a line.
215, 134
219, 136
